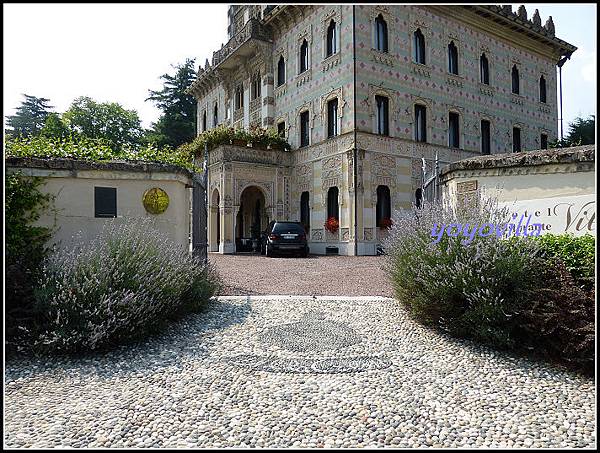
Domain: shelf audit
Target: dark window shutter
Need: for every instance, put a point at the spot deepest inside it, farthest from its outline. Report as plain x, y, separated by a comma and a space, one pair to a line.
105, 202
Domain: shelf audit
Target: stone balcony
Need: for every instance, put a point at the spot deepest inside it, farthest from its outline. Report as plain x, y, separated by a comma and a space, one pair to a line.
241, 45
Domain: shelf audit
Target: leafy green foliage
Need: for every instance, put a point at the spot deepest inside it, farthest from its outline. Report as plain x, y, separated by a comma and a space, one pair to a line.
78, 147
224, 135
576, 252
30, 117
121, 286
177, 124
582, 131
511, 293
108, 121
55, 127
25, 248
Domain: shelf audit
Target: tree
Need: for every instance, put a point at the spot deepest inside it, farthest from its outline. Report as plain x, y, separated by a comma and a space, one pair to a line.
109, 121
30, 117
177, 124
581, 132
55, 127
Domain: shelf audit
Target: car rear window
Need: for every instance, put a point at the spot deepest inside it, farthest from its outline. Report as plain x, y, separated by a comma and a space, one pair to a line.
288, 228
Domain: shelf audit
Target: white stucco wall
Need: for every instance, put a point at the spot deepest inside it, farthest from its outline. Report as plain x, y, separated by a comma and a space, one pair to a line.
73, 205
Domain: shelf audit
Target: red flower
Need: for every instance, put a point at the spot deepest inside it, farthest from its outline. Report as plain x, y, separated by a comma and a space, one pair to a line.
385, 223
332, 224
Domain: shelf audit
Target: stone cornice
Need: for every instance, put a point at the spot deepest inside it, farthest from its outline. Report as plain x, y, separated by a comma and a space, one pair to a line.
73, 166
508, 26
578, 158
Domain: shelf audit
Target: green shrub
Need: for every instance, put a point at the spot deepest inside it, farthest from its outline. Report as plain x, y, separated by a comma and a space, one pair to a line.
223, 135
576, 252
121, 286
509, 293
25, 249
81, 147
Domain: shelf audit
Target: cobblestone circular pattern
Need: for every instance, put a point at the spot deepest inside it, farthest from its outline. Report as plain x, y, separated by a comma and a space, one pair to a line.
231, 377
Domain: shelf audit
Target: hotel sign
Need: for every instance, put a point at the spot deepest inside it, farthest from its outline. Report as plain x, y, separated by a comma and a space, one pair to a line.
576, 214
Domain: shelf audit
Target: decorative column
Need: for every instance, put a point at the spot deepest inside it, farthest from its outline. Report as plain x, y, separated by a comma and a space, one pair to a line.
268, 100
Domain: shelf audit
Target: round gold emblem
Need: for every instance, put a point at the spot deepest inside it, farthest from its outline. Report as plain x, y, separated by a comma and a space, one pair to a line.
156, 201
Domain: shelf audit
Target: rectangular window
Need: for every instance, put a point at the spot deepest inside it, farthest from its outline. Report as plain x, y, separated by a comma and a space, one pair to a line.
420, 123
516, 140
383, 119
105, 202
332, 113
281, 129
485, 137
544, 141
453, 130
304, 129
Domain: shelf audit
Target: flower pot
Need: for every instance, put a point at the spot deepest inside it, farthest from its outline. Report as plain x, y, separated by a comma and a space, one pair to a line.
238, 142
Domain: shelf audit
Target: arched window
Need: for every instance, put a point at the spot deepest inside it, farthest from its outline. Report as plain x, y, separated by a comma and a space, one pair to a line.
331, 39
256, 82
484, 69
239, 97
453, 130
419, 47
281, 71
516, 140
420, 123
383, 116
485, 137
515, 80
542, 89
204, 121
452, 58
332, 116
216, 114
332, 203
305, 210
303, 56
384, 205
381, 34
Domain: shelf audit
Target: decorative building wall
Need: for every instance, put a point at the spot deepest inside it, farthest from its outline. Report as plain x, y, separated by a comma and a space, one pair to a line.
366, 95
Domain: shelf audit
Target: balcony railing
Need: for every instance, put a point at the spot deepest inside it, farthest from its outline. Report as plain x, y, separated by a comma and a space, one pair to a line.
252, 30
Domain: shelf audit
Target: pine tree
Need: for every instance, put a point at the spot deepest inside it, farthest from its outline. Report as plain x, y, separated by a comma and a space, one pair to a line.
30, 117
177, 124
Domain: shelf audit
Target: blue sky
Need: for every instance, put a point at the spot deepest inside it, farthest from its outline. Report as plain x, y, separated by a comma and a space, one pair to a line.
116, 52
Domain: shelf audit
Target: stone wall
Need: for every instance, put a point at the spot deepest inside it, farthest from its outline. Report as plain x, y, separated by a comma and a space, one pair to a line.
556, 185
72, 182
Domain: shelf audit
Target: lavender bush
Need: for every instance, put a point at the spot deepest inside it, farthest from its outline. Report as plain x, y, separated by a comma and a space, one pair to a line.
120, 286
468, 289
511, 293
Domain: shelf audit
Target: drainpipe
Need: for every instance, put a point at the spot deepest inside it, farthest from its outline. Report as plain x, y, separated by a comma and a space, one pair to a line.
355, 150
560, 64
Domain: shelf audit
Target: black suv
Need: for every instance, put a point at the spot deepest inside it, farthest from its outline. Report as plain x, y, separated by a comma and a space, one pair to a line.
284, 237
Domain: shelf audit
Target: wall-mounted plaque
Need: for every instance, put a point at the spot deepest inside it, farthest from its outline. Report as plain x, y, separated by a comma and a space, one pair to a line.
466, 186
156, 200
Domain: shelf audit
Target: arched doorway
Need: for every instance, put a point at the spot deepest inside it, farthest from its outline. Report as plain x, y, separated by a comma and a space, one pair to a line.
215, 222
251, 219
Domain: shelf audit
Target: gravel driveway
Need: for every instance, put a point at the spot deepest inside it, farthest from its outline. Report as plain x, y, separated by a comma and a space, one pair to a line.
297, 371
312, 276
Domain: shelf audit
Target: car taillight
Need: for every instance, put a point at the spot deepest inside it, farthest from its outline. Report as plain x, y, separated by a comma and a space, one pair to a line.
273, 236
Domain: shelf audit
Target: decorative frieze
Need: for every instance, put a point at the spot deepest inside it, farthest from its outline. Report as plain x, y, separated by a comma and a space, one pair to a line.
420, 70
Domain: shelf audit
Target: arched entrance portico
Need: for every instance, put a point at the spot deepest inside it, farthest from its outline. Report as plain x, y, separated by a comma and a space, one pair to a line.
214, 239
252, 218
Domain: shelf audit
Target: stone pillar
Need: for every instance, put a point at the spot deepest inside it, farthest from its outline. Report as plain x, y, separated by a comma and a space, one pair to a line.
268, 100
228, 212
246, 86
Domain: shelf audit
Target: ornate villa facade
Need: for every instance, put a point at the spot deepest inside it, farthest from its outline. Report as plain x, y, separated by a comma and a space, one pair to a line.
366, 94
